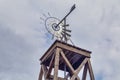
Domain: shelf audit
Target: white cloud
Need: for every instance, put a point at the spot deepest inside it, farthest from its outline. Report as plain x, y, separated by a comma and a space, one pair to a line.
95, 26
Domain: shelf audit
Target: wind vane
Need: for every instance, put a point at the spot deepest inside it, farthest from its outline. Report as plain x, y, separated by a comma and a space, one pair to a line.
57, 27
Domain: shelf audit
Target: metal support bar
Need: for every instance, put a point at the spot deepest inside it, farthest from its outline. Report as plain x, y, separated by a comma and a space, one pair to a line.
72, 8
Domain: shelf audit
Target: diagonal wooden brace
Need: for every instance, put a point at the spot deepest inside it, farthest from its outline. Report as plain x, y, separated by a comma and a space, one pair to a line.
45, 70
41, 74
67, 62
85, 72
50, 66
78, 69
90, 70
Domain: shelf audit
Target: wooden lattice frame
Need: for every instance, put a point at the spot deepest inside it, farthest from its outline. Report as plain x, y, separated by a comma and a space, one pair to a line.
46, 72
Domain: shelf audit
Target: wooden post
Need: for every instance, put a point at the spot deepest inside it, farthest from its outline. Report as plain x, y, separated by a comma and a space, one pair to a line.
85, 72
56, 65
90, 70
41, 74
45, 70
50, 66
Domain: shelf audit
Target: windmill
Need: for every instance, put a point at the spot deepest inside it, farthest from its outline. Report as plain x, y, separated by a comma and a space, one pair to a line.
58, 28
63, 56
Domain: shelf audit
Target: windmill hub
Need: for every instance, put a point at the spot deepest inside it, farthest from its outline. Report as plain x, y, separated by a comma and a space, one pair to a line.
55, 27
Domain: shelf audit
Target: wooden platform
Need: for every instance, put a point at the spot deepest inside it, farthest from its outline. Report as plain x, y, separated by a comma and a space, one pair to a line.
61, 54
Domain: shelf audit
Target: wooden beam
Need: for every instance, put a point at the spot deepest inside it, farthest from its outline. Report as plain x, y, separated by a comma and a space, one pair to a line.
50, 66
73, 77
62, 59
79, 68
48, 53
90, 70
40, 74
85, 72
67, 62
78, 78
45, 70
81, 65
59, 78
70, 48
56, 65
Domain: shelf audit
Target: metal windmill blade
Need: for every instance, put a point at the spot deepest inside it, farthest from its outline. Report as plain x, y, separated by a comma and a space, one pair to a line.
67, 30
65, 33
66, 25
64, 37
44, 15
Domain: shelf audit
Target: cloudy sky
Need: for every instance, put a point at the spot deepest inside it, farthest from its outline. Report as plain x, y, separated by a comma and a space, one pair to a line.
95, 26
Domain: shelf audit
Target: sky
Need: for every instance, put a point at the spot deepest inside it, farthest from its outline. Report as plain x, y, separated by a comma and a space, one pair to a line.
95, 26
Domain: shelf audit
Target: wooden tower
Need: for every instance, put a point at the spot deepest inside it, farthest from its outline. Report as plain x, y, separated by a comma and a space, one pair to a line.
65, 57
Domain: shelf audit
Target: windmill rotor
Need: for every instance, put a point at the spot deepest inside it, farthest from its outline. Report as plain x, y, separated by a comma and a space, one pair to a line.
50, 24
58, 28
56, 31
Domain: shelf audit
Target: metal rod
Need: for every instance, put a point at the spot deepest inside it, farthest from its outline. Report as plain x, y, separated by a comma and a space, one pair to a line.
72, 42
65, 30
73, 7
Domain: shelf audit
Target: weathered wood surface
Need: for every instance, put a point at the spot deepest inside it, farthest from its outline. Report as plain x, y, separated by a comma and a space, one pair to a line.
67, 62
50, 66
41, 74
85, 72
90, 70
61, 54
56, 66
70, 48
